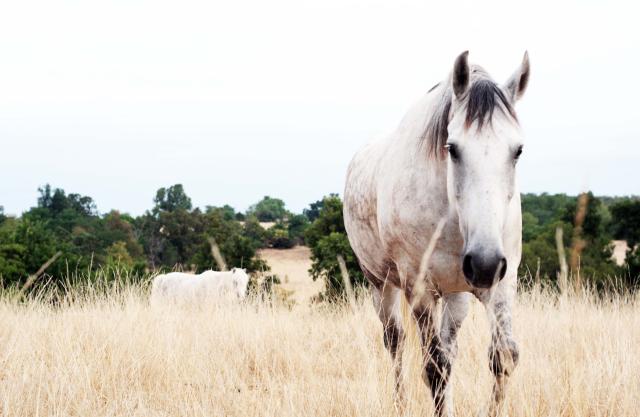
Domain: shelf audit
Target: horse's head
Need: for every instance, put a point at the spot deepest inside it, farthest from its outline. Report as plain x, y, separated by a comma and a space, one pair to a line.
484, 143
240, 280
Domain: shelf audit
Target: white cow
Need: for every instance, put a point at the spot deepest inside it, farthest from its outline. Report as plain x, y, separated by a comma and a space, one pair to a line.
185, 288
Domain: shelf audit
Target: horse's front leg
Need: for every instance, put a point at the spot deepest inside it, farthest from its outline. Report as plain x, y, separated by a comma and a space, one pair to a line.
386, 301
440, 348
503, 351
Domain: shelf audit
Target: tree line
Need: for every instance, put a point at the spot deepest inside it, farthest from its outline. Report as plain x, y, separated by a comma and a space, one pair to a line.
173, 234
589, 225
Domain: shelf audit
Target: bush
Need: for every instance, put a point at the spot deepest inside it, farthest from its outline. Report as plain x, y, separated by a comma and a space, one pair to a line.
297, 227
278, 237
327, 239
254, 231
324, 257
632, 267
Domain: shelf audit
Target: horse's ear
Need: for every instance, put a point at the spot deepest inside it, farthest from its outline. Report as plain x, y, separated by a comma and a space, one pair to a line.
460, 80
517, 84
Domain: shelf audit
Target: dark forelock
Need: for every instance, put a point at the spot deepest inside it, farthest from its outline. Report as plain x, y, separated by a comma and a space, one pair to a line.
482, 98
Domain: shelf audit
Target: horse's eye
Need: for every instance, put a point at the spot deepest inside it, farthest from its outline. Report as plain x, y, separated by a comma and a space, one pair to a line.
518, 153
453, 151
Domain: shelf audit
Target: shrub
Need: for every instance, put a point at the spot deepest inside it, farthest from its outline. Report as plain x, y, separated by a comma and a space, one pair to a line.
327, 239
278, 237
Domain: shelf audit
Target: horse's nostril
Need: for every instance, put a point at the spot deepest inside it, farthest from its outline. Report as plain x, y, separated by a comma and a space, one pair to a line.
503, 268
467, 267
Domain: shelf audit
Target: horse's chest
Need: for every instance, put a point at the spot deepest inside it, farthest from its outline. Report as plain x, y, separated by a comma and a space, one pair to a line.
407, 238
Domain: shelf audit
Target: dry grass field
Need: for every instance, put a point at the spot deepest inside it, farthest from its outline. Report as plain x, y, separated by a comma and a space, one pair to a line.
292, 267
113, 355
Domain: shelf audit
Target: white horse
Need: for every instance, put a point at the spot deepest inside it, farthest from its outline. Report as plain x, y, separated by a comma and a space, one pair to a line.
209, 286
448, 171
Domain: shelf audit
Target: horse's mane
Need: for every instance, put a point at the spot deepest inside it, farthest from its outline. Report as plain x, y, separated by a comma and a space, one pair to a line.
483, 96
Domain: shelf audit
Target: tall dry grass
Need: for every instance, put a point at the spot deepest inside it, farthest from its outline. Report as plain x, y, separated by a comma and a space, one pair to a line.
110, 354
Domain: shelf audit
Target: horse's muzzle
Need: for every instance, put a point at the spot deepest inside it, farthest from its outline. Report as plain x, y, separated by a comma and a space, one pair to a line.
483, 270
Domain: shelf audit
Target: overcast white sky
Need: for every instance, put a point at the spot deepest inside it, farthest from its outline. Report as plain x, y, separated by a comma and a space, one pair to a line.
240, 99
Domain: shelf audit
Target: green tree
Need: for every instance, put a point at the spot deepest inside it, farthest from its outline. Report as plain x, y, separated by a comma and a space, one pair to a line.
546, 208
596, 258
12, 254
56, 202
325, 265
12, 266
118, 256
119, 227
60, 222
329, 220
171, 199
171, 233
237, 249
539, 254
626, 220
268, 210
171, 238
625, 216
228, 212
327, 238
278, 237
253, 230
297, 227
530, 226
541, 215
39, 244
313, 212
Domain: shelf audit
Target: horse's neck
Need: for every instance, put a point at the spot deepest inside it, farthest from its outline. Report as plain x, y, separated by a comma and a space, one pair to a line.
411, 141
412, 171
409, 150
